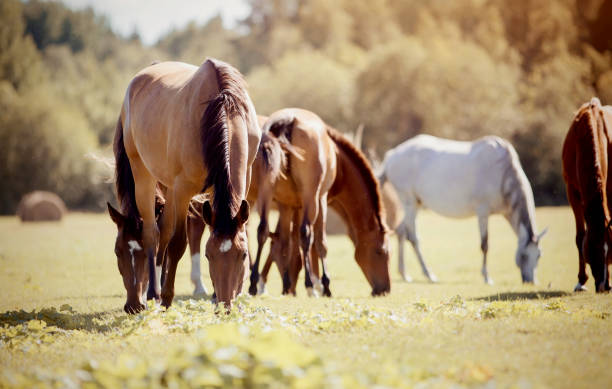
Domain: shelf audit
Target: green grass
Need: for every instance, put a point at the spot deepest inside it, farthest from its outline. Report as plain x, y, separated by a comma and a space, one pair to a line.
458, 332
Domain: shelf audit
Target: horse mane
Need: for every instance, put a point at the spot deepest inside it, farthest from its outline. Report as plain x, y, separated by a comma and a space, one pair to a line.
585, 125
516, 189
361, 163
230, 101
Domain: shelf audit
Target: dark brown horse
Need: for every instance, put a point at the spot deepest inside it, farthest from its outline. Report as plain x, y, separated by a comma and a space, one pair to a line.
586, 160
190, 129
353, 192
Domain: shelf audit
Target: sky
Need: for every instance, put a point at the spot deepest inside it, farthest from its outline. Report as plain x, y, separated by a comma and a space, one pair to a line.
153, 18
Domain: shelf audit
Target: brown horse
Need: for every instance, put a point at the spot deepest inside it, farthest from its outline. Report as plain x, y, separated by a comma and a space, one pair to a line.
586, 159
268, 168
190, 129
303, 198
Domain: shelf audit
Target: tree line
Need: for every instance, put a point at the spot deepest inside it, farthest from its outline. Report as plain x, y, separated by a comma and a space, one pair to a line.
460, 69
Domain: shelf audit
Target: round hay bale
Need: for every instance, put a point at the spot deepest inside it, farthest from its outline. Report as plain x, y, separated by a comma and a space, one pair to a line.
41, 206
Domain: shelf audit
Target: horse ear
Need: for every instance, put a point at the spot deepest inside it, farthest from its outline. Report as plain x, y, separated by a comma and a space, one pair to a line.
243, 213
117, 217
207, 212
541, 234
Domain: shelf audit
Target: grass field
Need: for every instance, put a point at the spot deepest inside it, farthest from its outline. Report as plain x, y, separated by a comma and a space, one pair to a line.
63, 325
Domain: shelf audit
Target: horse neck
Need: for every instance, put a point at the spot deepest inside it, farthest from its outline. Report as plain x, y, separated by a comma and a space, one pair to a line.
521, 204
351, 197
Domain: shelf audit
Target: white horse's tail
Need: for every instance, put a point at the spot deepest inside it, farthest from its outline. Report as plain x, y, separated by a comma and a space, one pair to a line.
381, 175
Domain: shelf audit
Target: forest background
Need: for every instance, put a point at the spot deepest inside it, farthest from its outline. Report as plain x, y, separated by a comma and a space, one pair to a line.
460, 69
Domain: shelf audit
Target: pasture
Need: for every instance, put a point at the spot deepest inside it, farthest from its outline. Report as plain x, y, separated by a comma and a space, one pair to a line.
62, 321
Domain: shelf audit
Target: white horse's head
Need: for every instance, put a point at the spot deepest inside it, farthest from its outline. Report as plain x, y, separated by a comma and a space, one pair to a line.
527, 255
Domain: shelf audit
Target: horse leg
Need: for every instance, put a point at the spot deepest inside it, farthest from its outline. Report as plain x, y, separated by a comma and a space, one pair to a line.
574, 200
295, 255
177, 244
144, 185
321, 245
195, 230
281, 255
401, 236
410, 223
483, 219
262, 235
309, 214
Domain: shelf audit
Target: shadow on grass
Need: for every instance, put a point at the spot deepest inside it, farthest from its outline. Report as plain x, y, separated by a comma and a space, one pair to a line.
512, 296
67, 319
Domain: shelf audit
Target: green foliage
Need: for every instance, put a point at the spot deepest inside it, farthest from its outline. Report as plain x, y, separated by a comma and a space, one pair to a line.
458, 69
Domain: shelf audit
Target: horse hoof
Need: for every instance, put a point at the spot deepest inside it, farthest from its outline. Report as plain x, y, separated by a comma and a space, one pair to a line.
580, 288
261, 287
134, 308
327, 292
318, 286
312, 292
432, 278
406, 278
489, 281
253, 289
199, 290
166, 301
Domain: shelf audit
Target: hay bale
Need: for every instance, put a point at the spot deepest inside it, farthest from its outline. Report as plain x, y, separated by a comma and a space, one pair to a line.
41, 206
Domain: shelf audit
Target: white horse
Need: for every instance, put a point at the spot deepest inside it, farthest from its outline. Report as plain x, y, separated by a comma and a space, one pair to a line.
461, 179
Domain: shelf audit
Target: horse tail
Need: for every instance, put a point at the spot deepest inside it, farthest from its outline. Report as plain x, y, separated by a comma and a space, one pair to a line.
124, 179
382, 176
272, 155
281, 128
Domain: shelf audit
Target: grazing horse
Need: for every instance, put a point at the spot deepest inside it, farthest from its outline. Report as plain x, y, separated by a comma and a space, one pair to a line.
332, 172
461, 179
190, 129
586, 159
267, 169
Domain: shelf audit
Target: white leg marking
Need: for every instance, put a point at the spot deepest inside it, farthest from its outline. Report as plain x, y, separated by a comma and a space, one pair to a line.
580, 288
261, 286
196, 276
158, 270
225, 246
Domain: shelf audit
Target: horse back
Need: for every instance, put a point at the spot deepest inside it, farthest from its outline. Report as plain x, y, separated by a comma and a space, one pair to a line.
162, 113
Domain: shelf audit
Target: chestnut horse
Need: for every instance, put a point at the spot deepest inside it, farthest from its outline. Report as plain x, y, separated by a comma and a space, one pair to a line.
586, 159
190, 129
332, 172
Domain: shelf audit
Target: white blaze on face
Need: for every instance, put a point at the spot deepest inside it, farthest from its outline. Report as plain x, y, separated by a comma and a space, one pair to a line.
225, 246
134, 246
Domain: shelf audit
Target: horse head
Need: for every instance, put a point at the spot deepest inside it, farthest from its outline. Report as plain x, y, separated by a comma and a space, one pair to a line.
227, 254
372, 255
527, 256
131, 259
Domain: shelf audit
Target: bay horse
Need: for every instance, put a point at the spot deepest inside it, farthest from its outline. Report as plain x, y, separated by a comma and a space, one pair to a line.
190, 129
460, 179
333, 172
586, 160
270, 161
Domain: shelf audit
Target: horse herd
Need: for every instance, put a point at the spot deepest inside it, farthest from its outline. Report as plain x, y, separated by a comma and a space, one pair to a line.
191, 151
